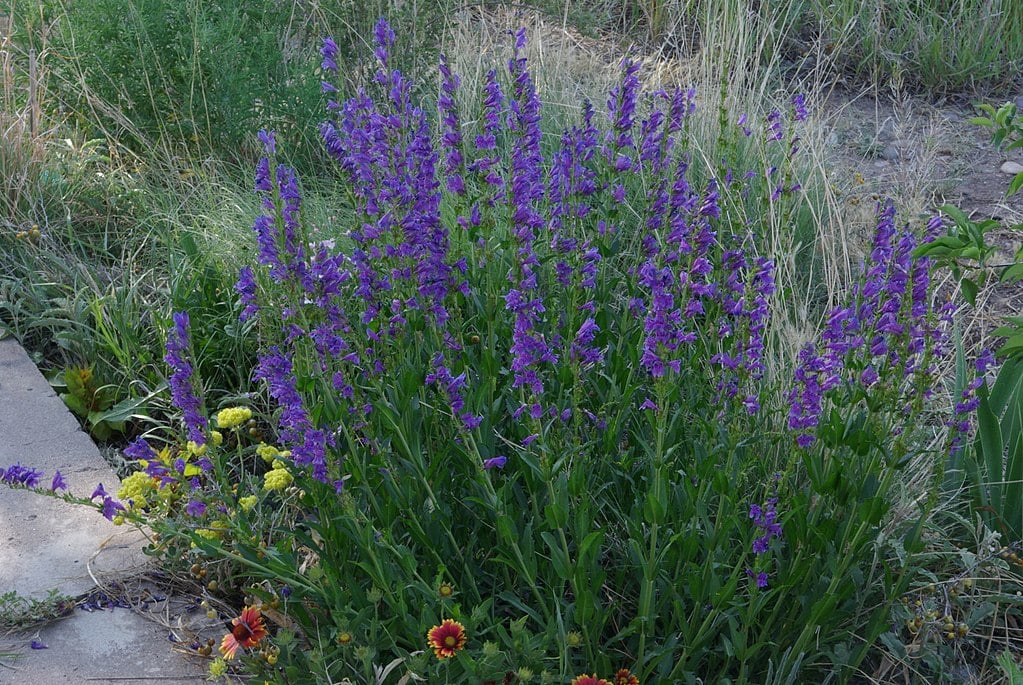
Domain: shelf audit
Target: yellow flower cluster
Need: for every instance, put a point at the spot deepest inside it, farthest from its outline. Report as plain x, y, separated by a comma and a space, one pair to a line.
134, 490
246, 503
232, 417
278, 479
214, 532
269, 452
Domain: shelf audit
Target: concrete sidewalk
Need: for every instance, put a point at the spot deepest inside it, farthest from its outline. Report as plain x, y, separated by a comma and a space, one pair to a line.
46, 544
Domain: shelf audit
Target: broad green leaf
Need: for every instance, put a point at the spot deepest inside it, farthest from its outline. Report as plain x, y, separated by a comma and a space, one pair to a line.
1012, 273
969, 290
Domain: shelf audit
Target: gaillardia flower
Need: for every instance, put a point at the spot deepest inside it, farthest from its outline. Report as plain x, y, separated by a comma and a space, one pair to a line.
447, 638
589, 680
248, 630
625, 677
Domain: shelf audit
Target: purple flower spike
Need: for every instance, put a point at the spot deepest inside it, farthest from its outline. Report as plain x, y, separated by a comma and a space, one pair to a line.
329, 53
195, 508
799, 107
246, 289
269, 141
385, 41
451, 140
181, 381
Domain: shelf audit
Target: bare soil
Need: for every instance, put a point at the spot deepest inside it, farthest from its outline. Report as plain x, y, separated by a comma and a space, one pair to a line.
925, 155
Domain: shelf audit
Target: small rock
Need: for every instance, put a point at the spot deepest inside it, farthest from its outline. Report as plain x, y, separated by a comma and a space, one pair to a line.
1019, 102
880, 164
1012, 168
890, 153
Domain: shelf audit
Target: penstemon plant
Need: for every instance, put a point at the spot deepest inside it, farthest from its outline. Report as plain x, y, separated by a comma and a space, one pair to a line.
523, 428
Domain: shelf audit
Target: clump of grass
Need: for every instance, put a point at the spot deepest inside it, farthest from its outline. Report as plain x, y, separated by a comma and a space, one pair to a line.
942, 47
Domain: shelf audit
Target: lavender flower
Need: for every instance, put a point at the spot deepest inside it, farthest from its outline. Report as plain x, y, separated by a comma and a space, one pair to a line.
497, 462
58, 483
23, 476
384, 35
329, 53
195, 508
799, 107
110, 508
452, 137
621, 106
181, 381
452, 387
765, 518
246, 289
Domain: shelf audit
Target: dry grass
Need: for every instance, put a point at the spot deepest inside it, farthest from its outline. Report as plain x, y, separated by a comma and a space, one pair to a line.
22, 140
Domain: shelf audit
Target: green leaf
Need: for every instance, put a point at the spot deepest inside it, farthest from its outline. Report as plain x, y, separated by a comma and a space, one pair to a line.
989, 442
969, 290
75, 404
1016, 182
559, 557
1011, 346
1012, 273
126, 409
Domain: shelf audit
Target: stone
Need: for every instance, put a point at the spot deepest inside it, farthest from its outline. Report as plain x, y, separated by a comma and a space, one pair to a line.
891, 153
47, 544
1012, 168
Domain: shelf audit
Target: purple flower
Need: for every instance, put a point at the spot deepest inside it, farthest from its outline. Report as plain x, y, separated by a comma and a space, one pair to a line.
268, 138
384, 35
58, 482
36, 644
452, 386
761, 577
98, 492
195, 508
246, 289
583, 349
497, 462
799, 107
111, 507
329, 53
451, 140
181, 380
765, 518
621, 106
23, 476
